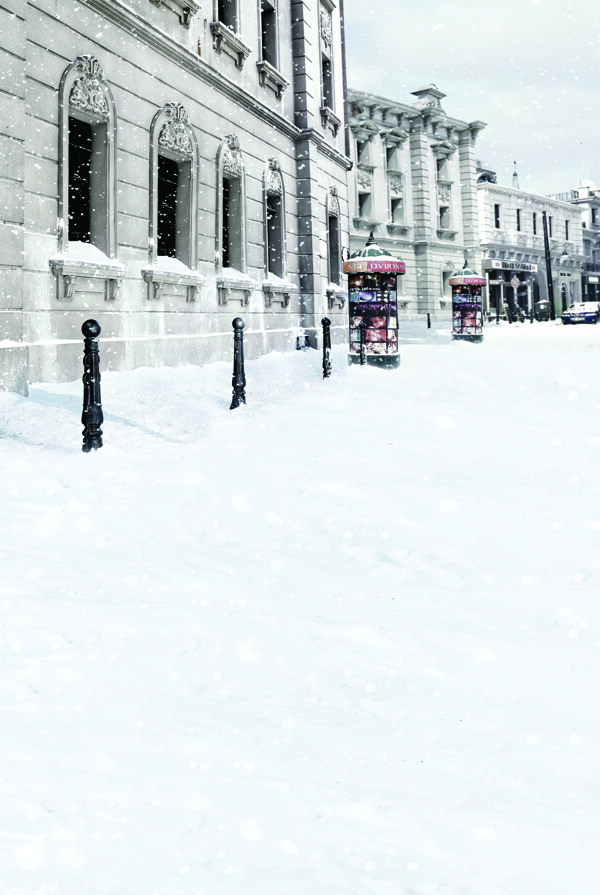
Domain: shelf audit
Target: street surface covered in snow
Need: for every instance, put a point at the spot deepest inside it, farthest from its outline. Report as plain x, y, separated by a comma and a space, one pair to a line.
343, 640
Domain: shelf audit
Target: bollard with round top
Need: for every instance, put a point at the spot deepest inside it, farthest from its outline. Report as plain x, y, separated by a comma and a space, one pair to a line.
239, 377
92, 416
326, 347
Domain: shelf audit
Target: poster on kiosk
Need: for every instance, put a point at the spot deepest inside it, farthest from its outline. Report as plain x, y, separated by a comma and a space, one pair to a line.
373, 305
467, 315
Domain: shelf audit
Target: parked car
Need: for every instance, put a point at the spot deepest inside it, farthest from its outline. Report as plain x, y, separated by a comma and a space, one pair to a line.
582, 312
542, 310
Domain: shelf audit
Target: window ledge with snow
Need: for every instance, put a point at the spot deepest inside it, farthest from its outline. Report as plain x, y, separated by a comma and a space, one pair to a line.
365, 223
83, 261
234, 285
225, 41
398, 229
444, 233
166, 271
276, 289
329, 120
335, 295
268, 76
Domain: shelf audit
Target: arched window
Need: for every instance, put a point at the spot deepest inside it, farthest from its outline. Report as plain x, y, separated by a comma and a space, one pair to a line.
87, 158
231, 206
274, 219
173, 203
173, 186
87, 205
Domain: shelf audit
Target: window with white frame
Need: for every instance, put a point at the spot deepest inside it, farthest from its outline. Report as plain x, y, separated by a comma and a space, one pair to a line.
87, 157
268, 31
173, 179
274, 216
231, 201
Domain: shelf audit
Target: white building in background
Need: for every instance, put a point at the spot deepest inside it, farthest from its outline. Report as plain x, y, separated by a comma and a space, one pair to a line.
511, 224
165, 168
415, 189
587, 199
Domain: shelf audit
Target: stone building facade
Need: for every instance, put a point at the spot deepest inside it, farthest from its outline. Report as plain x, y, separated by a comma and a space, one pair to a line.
415, 188
164, 168
513, 251
586, 197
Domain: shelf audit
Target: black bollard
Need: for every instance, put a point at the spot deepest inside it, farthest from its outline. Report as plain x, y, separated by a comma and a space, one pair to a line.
326, 347
239, 377
92, 416
428, 320
362, 354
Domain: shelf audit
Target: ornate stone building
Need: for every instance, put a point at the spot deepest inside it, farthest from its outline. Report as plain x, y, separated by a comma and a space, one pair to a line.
586, 197
415, 188
166, 167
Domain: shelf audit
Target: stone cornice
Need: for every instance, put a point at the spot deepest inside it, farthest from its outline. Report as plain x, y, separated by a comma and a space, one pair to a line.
498, 190
168, 47
325, 148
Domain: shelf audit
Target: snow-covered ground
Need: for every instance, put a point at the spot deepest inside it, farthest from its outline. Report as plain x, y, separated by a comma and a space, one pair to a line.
341, 641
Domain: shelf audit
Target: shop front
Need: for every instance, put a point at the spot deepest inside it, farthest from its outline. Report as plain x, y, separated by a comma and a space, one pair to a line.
513, 288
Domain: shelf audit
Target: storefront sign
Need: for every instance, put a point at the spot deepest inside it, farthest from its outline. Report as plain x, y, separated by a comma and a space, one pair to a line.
374, 265
501, 264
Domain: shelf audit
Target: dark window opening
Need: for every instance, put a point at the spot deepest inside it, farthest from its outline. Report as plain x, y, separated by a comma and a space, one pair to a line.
444, 217
168, 180
274, 235
549, 226
566, 229
80, 169
327, 78
364, 204
518, 218
497, 217
391, 156
397, 211
268, 26
227, 13
534, 223
334, 249
362, 151
226, 223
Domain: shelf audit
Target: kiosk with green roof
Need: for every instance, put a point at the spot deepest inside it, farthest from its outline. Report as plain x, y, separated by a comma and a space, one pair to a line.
373, 305
467, 316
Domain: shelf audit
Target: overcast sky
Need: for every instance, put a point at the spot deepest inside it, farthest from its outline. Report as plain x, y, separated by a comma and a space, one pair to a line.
529, 68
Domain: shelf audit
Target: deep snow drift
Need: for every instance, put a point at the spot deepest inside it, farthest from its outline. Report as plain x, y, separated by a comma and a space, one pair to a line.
344, 640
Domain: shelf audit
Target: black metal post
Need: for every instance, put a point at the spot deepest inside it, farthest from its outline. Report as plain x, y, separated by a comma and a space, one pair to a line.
326, 347
362, 351
428, 320
92, 416
548, 268
239, 377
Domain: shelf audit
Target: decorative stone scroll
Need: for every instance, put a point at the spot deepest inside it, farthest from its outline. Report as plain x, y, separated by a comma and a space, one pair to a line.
273, 178
333, 207
364, 179
326, 29
174, 135
88, 91
396, 182
232, 156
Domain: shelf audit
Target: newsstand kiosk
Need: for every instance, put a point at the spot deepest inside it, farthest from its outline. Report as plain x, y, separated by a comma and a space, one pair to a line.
373, 305
467, 315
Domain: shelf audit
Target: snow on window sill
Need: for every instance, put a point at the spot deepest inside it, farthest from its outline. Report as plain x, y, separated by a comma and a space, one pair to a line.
330, 120
172, 272
277, 289
234, 285
335, 294
81, 260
